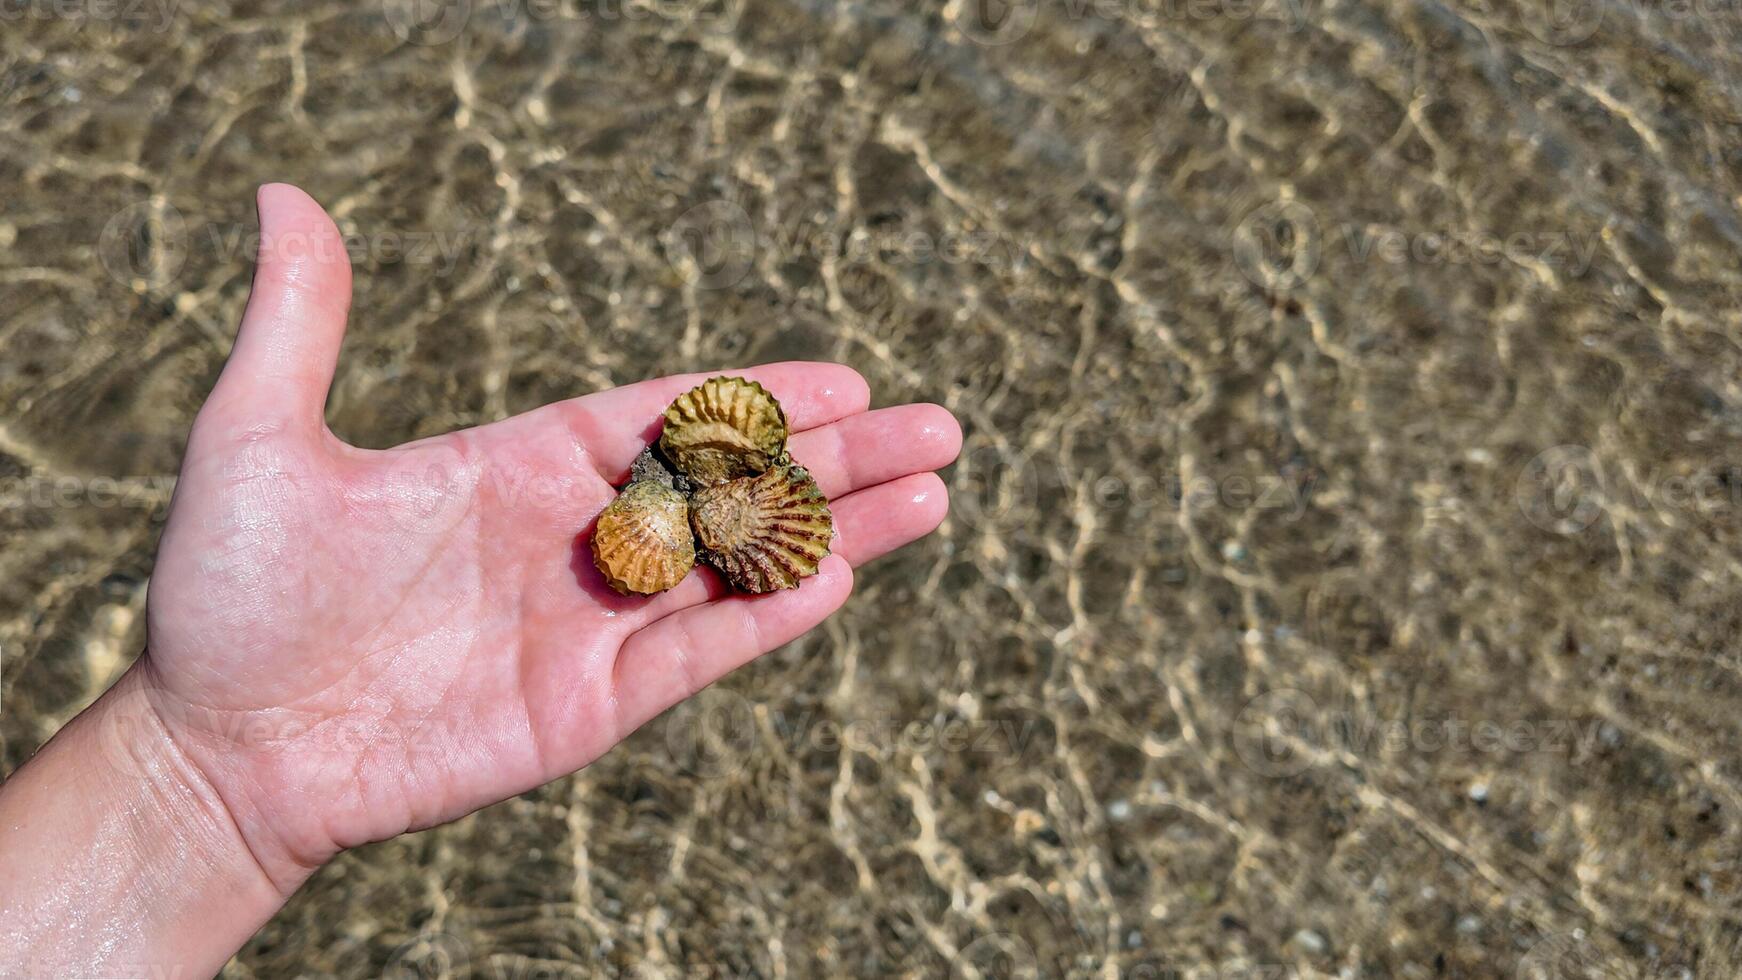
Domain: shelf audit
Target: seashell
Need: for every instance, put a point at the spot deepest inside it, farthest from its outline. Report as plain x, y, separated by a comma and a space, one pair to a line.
723, 429
642, 542
764, 532
650, 468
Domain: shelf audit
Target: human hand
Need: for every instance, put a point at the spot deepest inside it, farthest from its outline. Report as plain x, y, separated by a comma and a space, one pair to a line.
348, 644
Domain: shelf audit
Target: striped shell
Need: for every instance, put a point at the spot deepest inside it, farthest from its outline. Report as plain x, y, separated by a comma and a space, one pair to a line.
642, 543
723, 429
764, 532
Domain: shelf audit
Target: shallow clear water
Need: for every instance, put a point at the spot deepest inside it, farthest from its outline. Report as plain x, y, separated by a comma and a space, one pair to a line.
1344, 566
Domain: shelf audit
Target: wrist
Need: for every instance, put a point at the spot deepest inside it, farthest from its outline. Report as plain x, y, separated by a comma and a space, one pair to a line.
144, 870
155, 737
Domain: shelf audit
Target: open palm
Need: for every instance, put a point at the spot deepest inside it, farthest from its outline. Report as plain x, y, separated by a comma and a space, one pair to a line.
349, 643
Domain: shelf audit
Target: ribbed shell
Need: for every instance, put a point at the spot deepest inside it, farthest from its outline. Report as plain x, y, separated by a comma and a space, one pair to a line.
650, 468
723, 429
642, 542
764, 532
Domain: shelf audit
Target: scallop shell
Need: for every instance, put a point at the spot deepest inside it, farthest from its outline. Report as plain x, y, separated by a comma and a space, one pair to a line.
642, 542
649, 467
723, 429
764, 532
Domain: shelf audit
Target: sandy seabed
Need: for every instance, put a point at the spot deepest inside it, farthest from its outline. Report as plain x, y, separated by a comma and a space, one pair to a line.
1344, 567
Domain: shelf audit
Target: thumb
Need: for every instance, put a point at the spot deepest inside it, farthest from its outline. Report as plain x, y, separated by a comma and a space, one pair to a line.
281, 366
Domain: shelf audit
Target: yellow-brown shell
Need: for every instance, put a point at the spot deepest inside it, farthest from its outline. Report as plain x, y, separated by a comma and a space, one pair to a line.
723, 429
764, 532
642, 542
